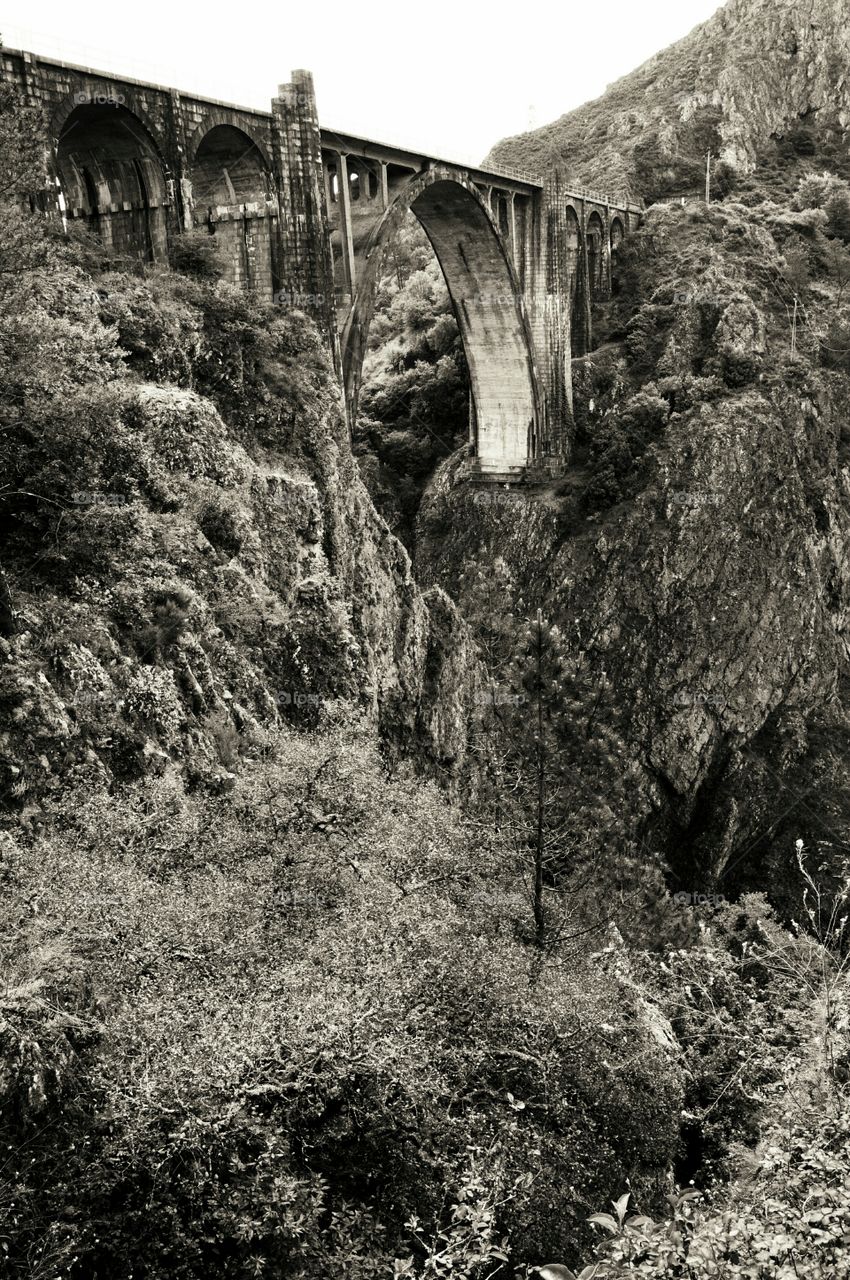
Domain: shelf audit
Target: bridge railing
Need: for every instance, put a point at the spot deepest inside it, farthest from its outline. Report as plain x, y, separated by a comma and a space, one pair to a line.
512, 172
583, 193
600, 197
18, 39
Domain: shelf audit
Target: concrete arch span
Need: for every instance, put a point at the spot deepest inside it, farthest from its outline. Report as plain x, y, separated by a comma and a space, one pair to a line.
488, 306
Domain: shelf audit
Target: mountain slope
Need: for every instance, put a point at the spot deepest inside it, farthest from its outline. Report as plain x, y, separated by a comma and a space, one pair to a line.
695, 552
756, 71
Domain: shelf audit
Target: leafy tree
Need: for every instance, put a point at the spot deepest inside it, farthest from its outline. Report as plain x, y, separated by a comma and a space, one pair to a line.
556, 781
815, 190
414, 404
837, 210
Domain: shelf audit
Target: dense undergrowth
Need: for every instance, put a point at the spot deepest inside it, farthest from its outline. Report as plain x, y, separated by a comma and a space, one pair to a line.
303, 1028
279, 1026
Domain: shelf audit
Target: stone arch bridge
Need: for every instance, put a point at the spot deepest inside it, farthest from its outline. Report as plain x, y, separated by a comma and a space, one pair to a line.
304, 213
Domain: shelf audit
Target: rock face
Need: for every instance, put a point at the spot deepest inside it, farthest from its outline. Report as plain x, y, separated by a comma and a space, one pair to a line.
209, 579
753, 72
697, 558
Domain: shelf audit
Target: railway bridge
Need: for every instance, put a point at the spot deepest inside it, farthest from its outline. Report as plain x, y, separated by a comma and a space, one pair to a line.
303, 214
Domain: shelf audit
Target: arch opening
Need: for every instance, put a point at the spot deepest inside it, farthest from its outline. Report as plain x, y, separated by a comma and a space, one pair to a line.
595, 254
228, 170
230, 186
577, 298
503, 217
617, 236
486, 303
112, 179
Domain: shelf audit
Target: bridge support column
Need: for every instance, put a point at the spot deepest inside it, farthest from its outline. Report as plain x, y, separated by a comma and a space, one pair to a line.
584, 288
304, 253
512, 225
607, 256
345, 227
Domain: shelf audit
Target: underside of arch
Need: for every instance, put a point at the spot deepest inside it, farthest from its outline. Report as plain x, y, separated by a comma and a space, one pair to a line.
486, 301
111, 176
230, 183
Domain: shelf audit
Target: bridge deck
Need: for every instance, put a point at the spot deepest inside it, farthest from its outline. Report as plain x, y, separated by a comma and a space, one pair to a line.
373, 149
509, 178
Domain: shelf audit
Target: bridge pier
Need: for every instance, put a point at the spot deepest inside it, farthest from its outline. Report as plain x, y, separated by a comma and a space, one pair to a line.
345, 228
306, 267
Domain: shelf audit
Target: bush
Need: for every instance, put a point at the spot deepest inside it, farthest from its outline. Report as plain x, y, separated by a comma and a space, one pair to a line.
789, 1220
838, 215
618, 446
315, 1005
197, 253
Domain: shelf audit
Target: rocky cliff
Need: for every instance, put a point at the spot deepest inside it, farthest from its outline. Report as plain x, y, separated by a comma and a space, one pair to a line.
190, 554
696, 558
757, 72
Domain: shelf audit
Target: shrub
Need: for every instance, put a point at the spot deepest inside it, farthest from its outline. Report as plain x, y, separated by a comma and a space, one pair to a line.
316, 1003
837, 210
197, 253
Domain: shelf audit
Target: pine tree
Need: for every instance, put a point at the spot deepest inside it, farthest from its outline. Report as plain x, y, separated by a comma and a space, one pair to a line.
558, 780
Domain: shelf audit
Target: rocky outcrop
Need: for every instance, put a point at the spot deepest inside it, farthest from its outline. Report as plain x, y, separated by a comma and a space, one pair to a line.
752, 72
205, 582
697, 565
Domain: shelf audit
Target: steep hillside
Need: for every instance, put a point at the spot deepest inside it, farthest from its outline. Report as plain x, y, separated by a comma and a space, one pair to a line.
190, 555
273, 1002
696, 555
760, 73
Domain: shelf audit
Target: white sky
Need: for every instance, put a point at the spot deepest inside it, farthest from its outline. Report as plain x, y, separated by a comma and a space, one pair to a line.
446, 77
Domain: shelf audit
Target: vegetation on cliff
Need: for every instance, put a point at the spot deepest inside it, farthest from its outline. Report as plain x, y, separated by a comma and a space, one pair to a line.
760, 80
245, 1020
414, 404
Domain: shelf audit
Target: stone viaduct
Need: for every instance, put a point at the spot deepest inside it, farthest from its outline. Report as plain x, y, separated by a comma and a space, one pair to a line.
304, 214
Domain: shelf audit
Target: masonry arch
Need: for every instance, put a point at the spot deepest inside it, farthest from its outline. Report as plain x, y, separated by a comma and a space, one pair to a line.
228, 168
596, 245
487, 303
618, 233
112, 178
230, 187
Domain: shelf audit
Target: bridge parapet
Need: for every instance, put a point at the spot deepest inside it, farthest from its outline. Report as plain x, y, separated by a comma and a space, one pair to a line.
620, 201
